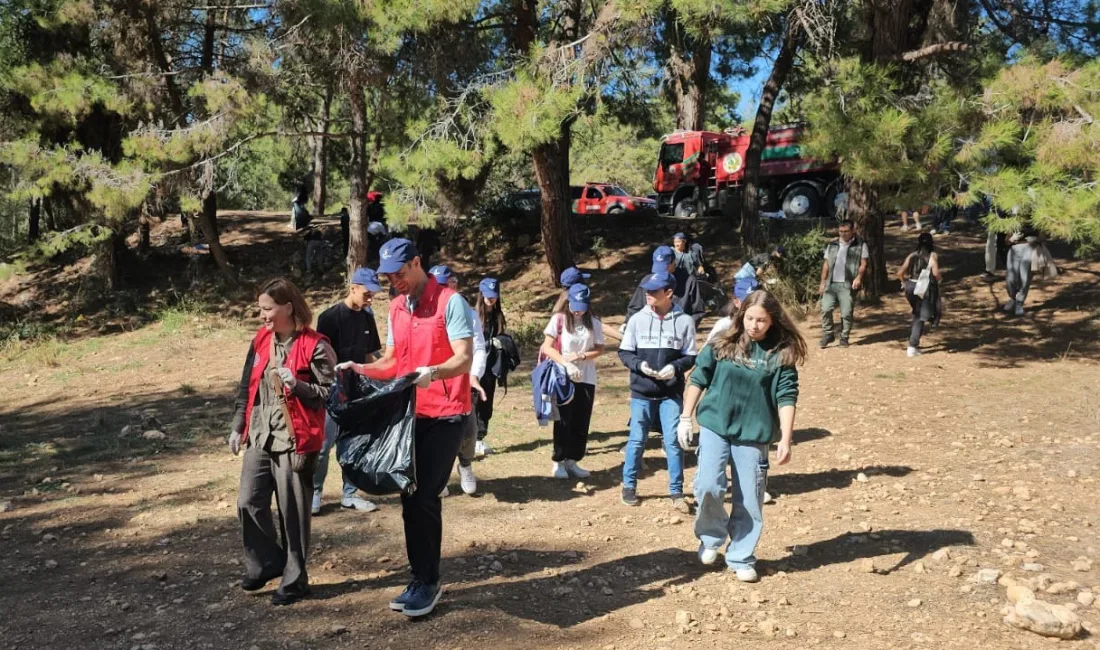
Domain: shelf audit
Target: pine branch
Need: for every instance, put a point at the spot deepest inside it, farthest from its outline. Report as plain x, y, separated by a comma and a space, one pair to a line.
933, 50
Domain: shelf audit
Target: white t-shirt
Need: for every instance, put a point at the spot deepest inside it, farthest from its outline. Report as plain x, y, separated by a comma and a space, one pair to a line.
581, 340
839, 270
722, 325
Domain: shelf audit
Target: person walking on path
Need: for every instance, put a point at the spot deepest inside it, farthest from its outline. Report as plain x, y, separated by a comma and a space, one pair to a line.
430, 334
467, 449
1027, 257
659, 349
490, 312
687, 262
350, 328
574, 340
279, 421
841, 278
921, 290
744, 390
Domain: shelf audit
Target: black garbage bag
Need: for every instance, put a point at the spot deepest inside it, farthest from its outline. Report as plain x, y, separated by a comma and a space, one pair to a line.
377, 421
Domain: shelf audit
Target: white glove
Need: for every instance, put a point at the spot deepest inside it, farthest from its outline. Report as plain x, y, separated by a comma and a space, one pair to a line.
683, 432
423, 377
287, 375
646, 370
347, 365
235, 443
573, 371
668, 372
622, 328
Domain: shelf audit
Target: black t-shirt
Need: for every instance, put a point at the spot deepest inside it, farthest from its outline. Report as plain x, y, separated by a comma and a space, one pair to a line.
353, 334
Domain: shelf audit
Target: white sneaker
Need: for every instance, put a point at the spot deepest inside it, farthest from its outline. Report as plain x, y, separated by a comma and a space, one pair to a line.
747, 574
708, 556
559, 471
1019, 310
467, 479
912, 352
446, 492
316, 509
576, 470
482, 449
358, 504
1010, 305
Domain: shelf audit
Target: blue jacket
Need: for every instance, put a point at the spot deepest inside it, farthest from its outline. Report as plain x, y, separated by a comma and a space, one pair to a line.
550, 388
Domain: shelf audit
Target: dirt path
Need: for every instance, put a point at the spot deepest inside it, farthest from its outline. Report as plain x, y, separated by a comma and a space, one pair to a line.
908, 477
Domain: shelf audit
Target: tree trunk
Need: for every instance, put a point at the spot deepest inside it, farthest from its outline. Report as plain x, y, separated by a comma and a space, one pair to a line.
862, 199
144, 229
688, 70
357, 176
320, 157
751, 235
208, 221
34, 220
551, 162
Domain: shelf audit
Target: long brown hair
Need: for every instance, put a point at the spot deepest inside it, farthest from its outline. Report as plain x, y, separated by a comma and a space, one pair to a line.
570, 320
494, 315
734, 344
283, 292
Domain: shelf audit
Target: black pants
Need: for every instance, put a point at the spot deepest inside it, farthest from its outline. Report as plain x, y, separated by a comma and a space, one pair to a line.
571, 432
437, 441
484, 407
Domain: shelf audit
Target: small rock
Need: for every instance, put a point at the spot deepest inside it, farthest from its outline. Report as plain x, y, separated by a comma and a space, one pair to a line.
861, 477
49, 537
675, 520
1062, 587
867, 565
954, 572
916, 602
768, 627
51, 564
1020, 594
987, 576
153, 434
918, 567
337, 630
800, 549
160, 575
496, 566
1021, 493
1032, 566
684, 617
608, 591
1083, 565
126, 430
1086, 598
6, 506
839, 635
1045, 619
637, 624
783, 601
941, 555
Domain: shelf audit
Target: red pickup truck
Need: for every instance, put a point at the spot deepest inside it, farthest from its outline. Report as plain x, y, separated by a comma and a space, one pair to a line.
604, 198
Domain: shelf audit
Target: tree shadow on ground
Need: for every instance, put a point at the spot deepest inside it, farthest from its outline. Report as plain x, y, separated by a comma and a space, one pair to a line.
848, 547
575, 597
834, 479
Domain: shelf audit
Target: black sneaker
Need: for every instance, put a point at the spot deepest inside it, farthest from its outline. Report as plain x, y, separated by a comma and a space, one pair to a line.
843, 343
826, 340
630, 496
283, 598
256, 584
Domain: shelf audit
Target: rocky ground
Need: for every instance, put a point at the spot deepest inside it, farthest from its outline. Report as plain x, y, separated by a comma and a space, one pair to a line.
922, 496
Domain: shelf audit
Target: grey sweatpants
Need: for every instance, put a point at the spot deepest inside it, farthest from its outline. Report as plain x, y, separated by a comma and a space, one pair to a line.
268, 551
1018, 277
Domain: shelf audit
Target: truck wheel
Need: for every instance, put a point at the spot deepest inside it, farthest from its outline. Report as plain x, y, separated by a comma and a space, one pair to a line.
801, 202
685, 209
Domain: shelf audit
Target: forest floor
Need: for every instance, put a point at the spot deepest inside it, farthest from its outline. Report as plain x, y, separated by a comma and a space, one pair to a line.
908, 477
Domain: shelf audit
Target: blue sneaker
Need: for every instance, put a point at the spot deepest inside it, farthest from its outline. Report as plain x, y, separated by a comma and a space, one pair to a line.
422, 600
398, 604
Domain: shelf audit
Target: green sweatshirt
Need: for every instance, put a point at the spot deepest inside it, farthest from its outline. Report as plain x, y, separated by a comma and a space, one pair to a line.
742, 398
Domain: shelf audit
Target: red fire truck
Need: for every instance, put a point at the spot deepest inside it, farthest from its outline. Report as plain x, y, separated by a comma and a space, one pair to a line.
700, 173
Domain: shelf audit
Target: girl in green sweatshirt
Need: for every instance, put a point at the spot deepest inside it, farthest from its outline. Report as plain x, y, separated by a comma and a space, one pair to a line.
748, 382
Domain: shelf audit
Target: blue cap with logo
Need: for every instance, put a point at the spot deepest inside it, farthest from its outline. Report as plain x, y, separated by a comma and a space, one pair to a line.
742, 287
662, 257
489, 287
395, 254
680, 235
580, 296
367, 278
573, 275
659, 280
442, 273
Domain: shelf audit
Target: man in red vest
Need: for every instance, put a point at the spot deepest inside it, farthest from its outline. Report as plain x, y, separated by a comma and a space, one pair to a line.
430, 334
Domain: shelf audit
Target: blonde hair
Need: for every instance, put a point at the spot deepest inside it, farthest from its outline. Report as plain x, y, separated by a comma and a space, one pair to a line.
734, 344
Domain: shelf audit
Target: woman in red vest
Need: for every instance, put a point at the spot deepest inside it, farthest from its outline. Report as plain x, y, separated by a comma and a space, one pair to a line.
286, 376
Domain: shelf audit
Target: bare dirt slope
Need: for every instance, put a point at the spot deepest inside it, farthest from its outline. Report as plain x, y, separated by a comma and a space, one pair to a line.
908, 477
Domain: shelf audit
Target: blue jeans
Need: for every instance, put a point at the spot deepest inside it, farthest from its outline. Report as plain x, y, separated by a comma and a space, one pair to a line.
642, 413
713, 525
319, 474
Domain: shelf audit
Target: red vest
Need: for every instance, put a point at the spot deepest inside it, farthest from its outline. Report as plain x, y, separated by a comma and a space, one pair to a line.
309, 423
420, 339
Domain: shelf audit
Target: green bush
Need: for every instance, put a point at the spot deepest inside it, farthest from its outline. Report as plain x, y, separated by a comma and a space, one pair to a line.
801, 272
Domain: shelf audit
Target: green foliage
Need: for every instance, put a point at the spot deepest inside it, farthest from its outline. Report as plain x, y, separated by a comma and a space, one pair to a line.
801, 270
606, 150
529, 110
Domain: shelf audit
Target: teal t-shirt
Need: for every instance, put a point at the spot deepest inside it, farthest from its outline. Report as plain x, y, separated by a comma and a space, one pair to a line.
457, 318
743, 397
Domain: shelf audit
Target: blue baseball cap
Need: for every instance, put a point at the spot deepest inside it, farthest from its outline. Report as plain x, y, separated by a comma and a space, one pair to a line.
396, 253
442, 273
580, 296
489, 287
742, 287
680, 235
367, 278
663, 256
659, 280
573, 275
